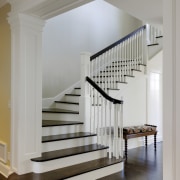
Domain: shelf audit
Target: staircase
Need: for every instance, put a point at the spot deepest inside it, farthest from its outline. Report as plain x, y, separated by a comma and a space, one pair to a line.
82, 132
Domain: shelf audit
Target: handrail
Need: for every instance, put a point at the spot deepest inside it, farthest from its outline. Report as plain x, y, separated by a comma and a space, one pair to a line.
116, 43
106, 96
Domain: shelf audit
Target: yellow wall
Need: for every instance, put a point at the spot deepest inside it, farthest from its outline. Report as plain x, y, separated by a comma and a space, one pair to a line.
5, 76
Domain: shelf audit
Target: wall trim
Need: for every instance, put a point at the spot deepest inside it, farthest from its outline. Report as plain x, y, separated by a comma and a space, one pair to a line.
5, 170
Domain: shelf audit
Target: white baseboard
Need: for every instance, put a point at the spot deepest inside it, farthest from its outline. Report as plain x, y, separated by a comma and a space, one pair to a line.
48, 102
5, 170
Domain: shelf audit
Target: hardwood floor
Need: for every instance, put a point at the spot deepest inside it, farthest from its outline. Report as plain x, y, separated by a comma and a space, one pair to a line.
142, 164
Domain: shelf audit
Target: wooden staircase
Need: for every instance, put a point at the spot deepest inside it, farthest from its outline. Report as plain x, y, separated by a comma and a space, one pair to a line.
67, 151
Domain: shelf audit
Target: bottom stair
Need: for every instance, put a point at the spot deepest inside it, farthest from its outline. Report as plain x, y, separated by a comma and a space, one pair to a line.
90, 170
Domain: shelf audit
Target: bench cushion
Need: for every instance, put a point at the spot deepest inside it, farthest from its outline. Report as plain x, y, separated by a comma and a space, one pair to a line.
139, 129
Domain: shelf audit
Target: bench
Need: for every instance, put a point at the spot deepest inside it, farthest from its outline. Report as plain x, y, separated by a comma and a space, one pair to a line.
139, 131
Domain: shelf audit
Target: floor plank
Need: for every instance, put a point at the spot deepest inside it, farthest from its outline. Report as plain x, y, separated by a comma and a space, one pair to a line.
142, 164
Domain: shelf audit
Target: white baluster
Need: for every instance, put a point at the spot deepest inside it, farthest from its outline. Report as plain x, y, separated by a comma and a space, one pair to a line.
110, 130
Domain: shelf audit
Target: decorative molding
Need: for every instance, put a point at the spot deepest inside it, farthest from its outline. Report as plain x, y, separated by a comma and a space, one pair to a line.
49, 9
5, 170
26, 90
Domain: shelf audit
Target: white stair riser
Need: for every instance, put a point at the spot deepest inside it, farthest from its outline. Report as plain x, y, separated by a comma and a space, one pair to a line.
54, 130
71, 99
40, 167
63, 144
99, 173
72, 107
60, 116
76, 91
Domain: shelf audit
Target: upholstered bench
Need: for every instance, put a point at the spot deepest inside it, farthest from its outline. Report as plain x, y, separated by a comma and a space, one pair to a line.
139, 131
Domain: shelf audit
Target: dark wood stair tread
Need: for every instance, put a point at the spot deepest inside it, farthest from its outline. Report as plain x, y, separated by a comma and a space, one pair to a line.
159, 36
66, 136
72, 95
136, 70
67, 102
47, 156
48, 123
154, 44
70, 171
56, 110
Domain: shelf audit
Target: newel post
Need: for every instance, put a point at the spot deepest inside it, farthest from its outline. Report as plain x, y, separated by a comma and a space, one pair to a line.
85, 91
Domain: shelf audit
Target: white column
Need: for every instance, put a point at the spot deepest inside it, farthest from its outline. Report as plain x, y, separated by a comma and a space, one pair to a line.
171, 90
85, 91
26, 90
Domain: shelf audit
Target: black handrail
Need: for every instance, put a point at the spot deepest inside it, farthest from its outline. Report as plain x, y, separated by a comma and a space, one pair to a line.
106, 96
116, 43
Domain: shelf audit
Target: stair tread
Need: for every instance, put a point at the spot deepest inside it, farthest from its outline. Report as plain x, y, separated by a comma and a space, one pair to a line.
47, 156
67, 102
153, 44
56, 110
159, 36
74, 170
47, 123
77, 88
72, 95
136, 70
66, 136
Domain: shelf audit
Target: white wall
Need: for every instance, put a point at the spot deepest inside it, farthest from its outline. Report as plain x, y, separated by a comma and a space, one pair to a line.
134, 107
154, 93
91, 28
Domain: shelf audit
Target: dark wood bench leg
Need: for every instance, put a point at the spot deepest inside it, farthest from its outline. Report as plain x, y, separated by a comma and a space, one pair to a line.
146, 141
155, 141
126, 148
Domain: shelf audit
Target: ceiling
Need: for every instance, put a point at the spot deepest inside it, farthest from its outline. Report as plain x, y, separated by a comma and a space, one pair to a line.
149, 11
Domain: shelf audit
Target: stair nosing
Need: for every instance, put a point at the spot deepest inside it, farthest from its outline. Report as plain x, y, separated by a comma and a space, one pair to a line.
66, 138
70, 123
154, 44
63, 111
72, 95
67, 102
70, 154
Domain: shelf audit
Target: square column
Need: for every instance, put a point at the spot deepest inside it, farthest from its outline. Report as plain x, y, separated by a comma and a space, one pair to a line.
26, 90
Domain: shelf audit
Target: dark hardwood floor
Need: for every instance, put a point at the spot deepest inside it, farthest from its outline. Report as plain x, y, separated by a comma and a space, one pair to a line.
142, 164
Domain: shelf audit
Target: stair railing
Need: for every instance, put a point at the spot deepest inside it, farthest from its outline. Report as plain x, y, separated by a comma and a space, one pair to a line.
99, 73
106, 115
113, 63
102, 114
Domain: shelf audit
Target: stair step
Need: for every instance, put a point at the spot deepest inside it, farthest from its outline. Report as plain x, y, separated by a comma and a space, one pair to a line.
112, 82
66, 136
136, 70
77, 88
67, 102
55, 110
154, 44
79, 169
72, 95
49, 123
47, 156
159, 36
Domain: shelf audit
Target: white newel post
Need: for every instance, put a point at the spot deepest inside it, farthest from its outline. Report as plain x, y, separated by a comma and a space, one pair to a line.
26, 90
85, 91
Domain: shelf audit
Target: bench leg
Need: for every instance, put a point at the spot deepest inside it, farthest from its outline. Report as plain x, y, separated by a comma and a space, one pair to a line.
155, 142
146, 141
126, 148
